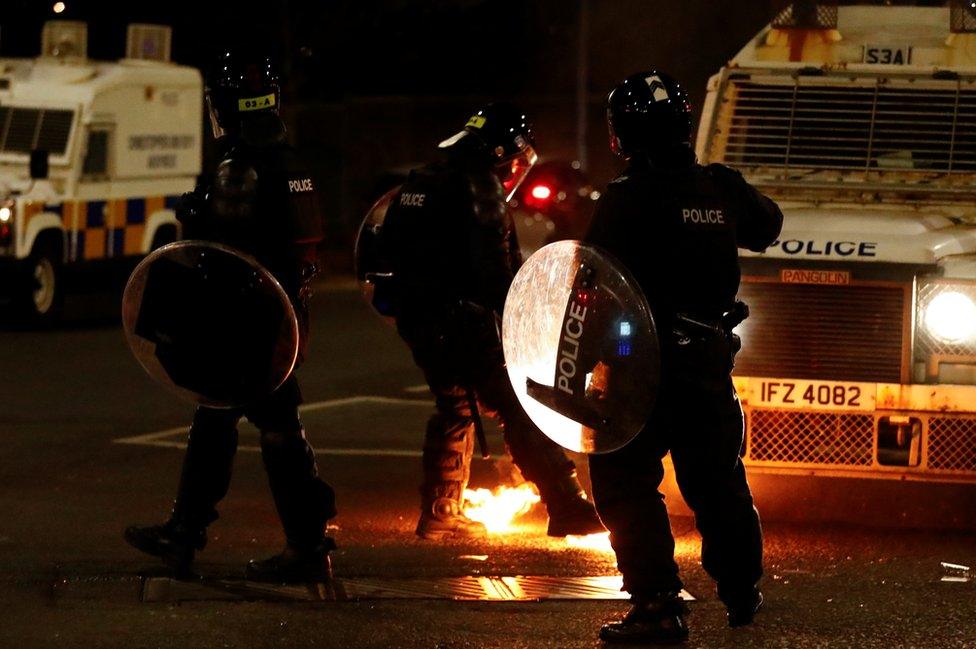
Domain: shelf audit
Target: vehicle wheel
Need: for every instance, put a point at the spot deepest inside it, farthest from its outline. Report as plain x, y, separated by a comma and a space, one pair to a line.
42, 293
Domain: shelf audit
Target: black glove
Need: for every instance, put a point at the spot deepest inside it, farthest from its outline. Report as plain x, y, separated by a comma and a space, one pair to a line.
190, 207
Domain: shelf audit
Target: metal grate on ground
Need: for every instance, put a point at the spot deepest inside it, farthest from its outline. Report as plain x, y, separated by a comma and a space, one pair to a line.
784, 436
952, 444
480, 589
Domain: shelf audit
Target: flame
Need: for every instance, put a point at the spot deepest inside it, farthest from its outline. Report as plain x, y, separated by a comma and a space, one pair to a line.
596, 542
499, 508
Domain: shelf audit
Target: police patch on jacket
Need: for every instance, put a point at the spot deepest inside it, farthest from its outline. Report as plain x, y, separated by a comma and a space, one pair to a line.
299, 185
705, 218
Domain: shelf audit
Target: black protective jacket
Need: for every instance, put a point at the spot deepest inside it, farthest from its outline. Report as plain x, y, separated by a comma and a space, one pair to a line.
450, 239
678, 230
262, 201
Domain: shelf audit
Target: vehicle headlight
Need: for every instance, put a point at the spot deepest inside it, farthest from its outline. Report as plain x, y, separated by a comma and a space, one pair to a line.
945, 332
951, 317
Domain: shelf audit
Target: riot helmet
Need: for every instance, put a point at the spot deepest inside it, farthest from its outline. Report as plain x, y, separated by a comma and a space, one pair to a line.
649, 114
498, 134
240, 86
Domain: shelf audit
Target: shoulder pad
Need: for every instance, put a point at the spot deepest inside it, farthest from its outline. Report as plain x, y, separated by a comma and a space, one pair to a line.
235, 174
488, 199
486, 186
722, 172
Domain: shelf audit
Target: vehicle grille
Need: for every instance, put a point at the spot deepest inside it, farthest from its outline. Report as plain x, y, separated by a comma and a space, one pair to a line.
818, 15
836, 333
810, 437
952, 444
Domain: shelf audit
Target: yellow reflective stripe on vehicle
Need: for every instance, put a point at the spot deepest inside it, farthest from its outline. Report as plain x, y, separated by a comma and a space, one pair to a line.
99, 229
154, 204
256, 103
31, 209
476, 121
133, 239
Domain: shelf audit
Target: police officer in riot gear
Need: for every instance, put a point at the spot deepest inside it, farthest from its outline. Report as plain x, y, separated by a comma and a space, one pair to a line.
677, 226
454, 253
261, 201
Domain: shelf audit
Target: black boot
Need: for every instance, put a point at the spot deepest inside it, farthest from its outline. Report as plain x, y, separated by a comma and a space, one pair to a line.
294, 565
655, 620
174, 543
575, 517
570, 513
742, 610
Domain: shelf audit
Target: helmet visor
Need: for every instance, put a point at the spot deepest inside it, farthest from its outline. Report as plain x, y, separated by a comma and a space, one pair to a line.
512, 170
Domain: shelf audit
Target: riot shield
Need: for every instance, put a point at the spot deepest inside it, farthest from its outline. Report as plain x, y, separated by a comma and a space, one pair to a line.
581, 347
210, 323
373, 267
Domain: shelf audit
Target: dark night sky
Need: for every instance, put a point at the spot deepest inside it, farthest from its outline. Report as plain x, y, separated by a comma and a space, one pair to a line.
371, 85
406, 47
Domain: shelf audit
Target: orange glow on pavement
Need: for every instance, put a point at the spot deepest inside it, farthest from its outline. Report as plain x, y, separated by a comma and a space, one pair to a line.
499, 508
596, 542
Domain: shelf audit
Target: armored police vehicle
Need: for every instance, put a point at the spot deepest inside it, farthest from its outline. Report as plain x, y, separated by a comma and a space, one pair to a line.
860, 356
93, 156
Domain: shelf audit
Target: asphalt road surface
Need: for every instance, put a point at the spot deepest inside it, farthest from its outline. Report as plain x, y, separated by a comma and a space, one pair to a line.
90, 445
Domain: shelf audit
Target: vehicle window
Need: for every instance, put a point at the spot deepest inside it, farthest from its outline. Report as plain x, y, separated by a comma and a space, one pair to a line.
96, 155
23, 130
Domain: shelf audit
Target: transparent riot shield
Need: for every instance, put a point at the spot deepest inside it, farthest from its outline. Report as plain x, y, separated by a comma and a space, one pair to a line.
373, 267
210, 323
581, 347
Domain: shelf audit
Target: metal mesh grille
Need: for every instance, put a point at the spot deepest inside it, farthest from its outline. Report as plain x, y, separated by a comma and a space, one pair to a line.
867, 125
25, 129
952, 443
928, 344
811, 437
808, 14
836, 333
962, 17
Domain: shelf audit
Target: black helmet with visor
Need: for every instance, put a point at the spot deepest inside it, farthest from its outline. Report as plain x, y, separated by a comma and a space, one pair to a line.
500, 134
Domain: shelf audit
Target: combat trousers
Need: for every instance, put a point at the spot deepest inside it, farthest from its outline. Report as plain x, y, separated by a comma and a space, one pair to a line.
304, 502
465, 358
700, 423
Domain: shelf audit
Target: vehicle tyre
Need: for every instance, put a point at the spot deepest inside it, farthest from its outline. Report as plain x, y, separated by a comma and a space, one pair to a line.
41, 294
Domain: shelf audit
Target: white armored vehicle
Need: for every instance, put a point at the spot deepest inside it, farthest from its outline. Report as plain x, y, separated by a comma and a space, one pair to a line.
860, 356
93, 156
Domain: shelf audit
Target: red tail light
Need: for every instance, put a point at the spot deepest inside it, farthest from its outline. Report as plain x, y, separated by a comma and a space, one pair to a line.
539, 195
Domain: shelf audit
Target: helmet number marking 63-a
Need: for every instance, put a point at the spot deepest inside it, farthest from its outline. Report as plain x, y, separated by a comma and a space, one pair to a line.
256, 103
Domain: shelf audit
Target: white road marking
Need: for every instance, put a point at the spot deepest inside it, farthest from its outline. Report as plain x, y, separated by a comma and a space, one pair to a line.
415, 389
163, 438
